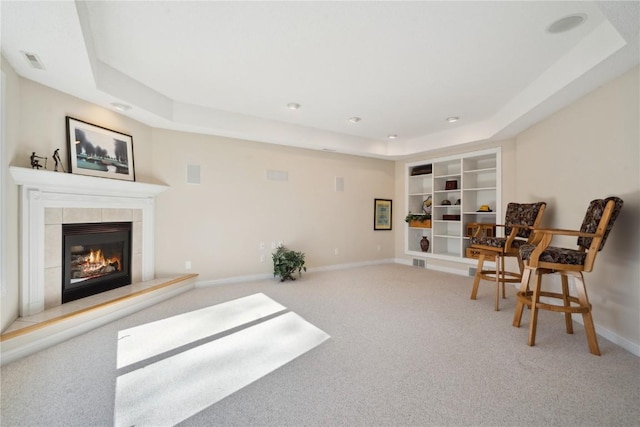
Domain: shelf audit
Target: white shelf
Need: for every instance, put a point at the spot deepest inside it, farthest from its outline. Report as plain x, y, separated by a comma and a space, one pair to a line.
481, 189
478, 177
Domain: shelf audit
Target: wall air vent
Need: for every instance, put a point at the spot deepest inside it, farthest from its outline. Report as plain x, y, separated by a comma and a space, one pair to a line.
33, 60
273, 175
418, 263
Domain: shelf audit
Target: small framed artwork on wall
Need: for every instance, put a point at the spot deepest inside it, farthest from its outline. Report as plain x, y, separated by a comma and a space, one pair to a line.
382, 214
98, 151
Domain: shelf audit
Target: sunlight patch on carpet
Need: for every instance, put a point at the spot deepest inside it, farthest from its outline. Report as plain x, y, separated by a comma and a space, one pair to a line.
177, 387
148, 340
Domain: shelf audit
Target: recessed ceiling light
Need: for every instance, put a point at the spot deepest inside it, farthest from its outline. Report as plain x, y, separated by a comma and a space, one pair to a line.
453, 119
392, 136
293, 106
354, 119
567, 23
120, 107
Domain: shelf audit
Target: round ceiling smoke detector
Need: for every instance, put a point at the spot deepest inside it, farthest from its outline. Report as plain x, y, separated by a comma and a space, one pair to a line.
354, 119
293, 106
567, 23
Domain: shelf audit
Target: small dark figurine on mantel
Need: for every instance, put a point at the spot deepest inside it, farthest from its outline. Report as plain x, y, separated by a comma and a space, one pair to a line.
56, 158
35, 163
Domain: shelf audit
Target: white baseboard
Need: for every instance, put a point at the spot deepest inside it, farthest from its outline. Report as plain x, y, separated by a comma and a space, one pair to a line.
434, 267
254, 277
630, 346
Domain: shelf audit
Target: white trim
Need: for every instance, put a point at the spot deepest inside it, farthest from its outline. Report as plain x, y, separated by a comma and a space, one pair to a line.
3, 185
630, 346
45, 189
266, 276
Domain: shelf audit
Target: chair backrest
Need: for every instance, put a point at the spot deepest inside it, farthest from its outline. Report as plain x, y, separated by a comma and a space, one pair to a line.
599, 218
529, 214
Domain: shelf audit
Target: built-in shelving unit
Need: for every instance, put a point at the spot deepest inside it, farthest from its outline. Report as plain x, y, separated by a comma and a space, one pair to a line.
458, 186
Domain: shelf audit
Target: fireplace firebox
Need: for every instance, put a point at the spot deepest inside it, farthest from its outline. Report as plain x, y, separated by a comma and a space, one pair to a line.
96, 258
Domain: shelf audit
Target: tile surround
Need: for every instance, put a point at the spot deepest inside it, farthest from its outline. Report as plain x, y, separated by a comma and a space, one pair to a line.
55, 217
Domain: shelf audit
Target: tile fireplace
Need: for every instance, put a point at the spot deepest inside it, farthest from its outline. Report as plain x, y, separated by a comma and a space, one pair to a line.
49, 200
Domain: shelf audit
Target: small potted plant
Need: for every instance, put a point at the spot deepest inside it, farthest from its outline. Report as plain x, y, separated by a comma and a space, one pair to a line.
418, 220
286, 262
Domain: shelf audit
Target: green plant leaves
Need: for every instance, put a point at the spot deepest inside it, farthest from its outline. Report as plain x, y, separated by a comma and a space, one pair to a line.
286, 262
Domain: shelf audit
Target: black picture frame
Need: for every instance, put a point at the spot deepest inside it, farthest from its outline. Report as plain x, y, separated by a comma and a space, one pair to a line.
382, 214
97, 151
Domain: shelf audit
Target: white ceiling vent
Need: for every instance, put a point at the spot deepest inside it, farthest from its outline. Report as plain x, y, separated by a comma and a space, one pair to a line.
33, 60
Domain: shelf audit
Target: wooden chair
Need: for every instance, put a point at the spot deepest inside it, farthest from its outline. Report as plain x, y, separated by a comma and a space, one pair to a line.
520, 219
541, 259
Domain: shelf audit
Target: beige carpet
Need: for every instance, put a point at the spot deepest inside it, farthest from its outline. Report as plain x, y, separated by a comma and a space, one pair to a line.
407, 347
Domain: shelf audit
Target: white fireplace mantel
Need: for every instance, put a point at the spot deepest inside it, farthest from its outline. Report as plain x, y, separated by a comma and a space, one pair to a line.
45, 189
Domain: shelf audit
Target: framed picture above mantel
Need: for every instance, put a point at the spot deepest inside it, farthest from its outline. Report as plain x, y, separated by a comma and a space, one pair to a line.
97, 151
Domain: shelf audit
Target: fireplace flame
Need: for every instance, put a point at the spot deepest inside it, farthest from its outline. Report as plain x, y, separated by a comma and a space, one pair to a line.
94, 264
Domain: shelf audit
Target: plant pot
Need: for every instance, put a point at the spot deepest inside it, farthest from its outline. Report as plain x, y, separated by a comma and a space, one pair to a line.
420, 224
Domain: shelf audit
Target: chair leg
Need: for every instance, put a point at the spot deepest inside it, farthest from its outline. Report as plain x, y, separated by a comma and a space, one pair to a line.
587, 319
533, 323
504, 277
498, 280
565, 300
524, 287
476, 281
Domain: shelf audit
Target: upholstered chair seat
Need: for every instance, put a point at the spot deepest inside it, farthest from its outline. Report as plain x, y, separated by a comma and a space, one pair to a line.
497, 242
555, 255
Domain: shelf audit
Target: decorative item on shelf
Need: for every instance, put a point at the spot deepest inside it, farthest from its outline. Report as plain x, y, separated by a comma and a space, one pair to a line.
458, 202
451, 185
421, 170
426, 205
418, 220
489, 230
286, 262
446, 202
56, 158
484, 208
450, 217
35, 163
424, 244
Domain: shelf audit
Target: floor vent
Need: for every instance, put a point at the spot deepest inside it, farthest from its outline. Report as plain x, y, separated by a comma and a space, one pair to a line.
472, 271
418, 262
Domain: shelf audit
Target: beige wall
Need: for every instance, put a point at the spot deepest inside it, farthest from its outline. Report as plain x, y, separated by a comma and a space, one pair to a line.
586, 151
219, 224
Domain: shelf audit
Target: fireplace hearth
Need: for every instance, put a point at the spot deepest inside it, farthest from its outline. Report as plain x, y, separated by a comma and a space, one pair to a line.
96, 258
